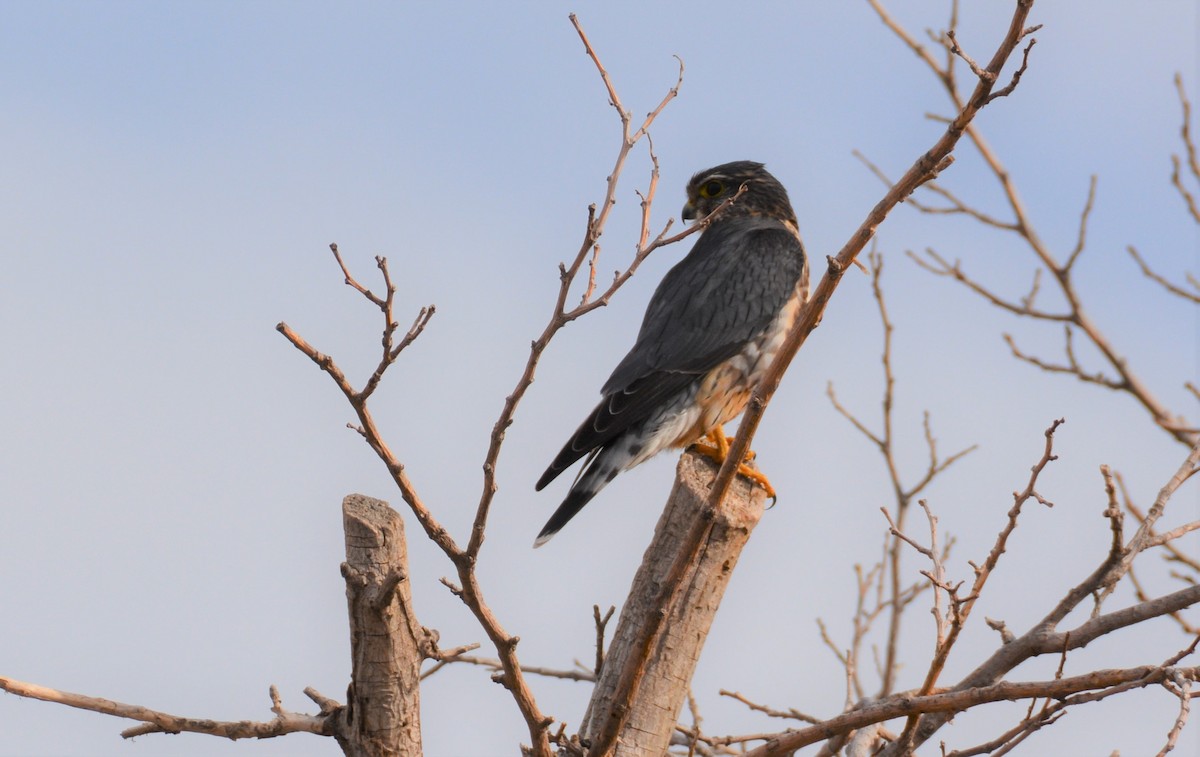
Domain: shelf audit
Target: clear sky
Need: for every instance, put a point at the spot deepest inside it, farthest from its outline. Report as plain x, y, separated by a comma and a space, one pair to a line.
172, 470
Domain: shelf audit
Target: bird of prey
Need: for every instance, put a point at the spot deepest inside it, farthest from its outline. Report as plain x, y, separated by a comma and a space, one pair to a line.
711, 329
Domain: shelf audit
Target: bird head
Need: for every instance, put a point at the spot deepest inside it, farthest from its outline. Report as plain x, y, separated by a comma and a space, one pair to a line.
764, 194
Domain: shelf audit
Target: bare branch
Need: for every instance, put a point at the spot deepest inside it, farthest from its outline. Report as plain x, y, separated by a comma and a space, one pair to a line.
1113, 513
465, 559
1097, 684
987, 76
154, 721
1042, 638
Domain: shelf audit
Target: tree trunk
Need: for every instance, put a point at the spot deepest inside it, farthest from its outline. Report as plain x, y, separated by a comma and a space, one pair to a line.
670, 662
387, 644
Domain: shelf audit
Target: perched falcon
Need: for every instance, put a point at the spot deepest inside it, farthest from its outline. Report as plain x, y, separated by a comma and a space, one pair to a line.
711, 329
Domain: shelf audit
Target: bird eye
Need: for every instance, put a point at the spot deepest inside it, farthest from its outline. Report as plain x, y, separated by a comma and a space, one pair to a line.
711, 189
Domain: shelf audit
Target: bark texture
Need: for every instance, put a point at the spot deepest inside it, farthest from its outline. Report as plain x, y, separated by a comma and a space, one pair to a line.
387, 644
662, 689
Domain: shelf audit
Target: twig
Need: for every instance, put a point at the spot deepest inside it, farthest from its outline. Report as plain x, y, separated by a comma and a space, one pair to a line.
695, 736
1160, 540
601, 625
1072, 367
1181, 686
788, 714
1025, 308
1189, 145
1081, 238
496, 665
1144, 536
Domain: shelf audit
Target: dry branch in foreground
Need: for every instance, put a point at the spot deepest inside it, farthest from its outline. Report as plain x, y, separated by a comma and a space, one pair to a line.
660, 692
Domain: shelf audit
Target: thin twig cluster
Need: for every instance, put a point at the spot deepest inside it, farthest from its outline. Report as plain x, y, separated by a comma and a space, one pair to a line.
1057, 268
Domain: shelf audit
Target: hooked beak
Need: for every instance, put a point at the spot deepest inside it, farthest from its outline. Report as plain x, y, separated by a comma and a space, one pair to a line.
688, 213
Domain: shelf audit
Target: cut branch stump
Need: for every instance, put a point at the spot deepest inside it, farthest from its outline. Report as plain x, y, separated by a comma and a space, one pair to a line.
387, 644
659, 695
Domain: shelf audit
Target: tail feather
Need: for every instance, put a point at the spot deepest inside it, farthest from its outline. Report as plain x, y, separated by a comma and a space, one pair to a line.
602, 468
621, 412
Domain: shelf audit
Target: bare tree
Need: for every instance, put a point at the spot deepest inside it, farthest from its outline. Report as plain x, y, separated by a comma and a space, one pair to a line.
641, 681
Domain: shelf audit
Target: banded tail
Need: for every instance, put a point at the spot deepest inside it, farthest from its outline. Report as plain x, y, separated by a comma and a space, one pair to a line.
604, 465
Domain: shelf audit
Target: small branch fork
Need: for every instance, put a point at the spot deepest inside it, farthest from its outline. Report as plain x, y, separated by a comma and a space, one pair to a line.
1189, 147
1075, 318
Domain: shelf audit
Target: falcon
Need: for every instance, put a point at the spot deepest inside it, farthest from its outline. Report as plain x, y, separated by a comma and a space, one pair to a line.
711, 329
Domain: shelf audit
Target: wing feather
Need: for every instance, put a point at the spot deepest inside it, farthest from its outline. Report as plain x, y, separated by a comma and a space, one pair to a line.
721, 296
735, 280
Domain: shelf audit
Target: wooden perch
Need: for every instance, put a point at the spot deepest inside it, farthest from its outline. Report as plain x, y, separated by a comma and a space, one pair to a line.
387, 644
671, 661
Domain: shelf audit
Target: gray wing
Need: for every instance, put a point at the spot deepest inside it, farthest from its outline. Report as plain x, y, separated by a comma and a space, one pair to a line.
723, 294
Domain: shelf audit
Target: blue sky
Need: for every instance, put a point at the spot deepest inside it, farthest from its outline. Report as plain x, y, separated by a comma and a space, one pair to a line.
172, 469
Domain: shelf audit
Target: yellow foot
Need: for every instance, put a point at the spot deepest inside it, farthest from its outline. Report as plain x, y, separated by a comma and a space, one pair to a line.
718, 450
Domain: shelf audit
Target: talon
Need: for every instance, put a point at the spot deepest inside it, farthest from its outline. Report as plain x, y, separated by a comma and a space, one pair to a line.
759, 478
718, 449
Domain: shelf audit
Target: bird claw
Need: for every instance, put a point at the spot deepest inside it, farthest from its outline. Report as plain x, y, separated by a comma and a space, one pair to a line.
719, 450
